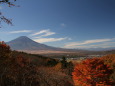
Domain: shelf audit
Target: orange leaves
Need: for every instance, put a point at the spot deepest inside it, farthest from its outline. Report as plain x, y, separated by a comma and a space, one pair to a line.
4, 50
109, 60
91, 71
2, 44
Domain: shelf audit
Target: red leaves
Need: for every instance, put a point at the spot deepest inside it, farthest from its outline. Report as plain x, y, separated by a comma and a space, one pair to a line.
2, 44
91, 71
4, 50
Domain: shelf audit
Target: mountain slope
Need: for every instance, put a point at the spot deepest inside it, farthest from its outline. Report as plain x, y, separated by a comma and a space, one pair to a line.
25, 43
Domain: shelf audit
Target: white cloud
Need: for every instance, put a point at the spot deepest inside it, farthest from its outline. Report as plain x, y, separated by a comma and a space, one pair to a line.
40, 32
41, 36
91, 46
21, 31
63, 25
69, 38
42, 40
84, 43
44, 32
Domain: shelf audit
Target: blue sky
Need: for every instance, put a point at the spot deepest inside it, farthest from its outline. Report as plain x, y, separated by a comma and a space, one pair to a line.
62, 23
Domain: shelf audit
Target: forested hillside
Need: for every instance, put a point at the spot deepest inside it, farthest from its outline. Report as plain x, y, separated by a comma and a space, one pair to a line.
22, 69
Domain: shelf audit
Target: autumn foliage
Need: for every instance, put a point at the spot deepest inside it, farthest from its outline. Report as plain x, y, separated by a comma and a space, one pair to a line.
4, 50
22, 69
110, 60
92, 72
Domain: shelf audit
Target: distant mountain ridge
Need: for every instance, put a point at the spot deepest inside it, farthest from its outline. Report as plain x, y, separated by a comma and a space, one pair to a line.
25, 43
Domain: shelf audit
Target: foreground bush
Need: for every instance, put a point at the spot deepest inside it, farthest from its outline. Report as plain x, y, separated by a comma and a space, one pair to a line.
110, 60
92, 72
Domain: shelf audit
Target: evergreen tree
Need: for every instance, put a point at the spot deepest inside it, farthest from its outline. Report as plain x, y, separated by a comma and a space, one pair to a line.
64, 62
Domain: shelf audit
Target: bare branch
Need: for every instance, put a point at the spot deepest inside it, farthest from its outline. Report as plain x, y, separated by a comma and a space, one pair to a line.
3, 18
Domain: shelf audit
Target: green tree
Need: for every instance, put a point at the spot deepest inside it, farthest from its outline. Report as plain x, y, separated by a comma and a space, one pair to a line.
64, 62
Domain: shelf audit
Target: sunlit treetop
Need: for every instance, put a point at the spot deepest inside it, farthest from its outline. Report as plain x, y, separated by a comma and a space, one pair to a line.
91, 72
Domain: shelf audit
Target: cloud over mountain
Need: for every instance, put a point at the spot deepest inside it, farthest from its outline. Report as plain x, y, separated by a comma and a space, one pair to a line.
42, 40
21, 31
91, 43
43, 33
42, 36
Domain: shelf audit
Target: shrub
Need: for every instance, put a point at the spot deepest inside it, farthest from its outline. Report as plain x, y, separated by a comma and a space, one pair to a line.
91, 72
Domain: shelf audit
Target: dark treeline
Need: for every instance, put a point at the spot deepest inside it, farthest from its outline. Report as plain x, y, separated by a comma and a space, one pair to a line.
22, 69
